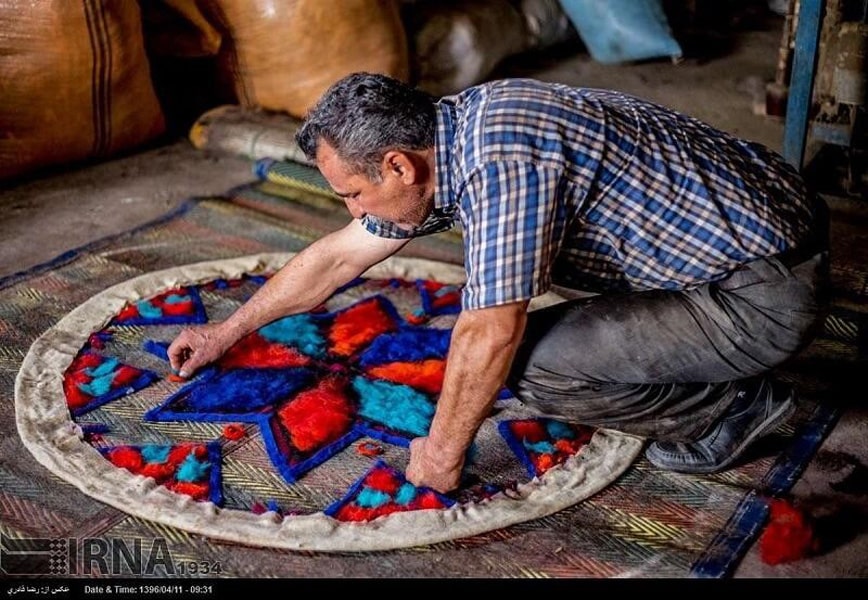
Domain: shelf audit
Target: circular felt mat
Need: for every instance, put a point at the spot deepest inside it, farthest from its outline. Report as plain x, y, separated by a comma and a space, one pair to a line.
297, 438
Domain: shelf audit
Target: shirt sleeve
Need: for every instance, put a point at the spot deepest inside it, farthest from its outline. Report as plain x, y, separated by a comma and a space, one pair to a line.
513, 217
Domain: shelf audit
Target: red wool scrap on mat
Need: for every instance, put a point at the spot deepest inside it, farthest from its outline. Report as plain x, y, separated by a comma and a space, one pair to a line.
234, 431
789, 536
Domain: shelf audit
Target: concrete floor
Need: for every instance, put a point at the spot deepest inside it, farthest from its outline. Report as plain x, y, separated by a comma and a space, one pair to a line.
43, 217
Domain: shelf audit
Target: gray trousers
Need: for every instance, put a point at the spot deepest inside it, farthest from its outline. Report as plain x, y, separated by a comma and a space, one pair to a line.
666, 364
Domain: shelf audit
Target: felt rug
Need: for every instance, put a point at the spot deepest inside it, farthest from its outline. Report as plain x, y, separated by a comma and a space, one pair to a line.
318, 408
541, 499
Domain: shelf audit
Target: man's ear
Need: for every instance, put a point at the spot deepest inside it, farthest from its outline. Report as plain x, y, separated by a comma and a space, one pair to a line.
401, 165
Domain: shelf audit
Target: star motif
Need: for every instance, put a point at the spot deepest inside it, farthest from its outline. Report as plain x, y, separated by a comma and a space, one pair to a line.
311, 384
314, 383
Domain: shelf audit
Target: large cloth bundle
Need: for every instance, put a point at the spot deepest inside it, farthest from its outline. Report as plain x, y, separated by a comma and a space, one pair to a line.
74, 83
282, 56
250, 133
459, 43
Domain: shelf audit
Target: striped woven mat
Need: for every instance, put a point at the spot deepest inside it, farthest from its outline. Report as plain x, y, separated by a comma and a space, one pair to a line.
646, 523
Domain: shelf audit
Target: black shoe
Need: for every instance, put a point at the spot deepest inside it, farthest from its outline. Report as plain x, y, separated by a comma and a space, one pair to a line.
759, 409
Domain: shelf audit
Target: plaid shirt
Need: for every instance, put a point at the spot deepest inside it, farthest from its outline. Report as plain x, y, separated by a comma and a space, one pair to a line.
599, 191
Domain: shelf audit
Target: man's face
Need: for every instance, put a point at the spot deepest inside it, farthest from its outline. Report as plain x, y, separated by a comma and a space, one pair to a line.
398, 197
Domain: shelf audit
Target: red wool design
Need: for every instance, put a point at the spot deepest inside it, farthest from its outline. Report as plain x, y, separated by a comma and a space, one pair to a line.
542, 443
82, 373
184, 305
318, 416
369, 449
425, 375
253, 351
347, 335
166, 473
383, 491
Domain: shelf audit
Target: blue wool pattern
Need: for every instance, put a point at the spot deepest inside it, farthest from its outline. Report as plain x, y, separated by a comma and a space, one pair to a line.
245, 390
107, 367
544, 447
148, 310
407, 345
390, 412
103, 375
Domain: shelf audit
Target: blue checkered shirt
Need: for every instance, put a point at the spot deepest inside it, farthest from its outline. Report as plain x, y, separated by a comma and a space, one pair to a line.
599, 191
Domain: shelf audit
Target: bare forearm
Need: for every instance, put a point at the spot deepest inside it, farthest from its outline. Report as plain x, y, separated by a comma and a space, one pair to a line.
303, 283
312, 276
480, 356
292, 289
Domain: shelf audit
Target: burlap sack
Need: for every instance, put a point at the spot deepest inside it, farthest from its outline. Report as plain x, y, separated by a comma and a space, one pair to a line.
74, 83
282, 56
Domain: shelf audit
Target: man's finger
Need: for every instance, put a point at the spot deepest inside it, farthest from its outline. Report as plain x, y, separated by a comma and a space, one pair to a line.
178, 352
188, 364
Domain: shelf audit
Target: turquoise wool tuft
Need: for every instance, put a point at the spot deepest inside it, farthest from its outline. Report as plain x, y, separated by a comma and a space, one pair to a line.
98, 386
405, 494
148, 310
396, 406
192, 469
154, 453
540, 447
106, 367
299, 331
371, 498
559, 430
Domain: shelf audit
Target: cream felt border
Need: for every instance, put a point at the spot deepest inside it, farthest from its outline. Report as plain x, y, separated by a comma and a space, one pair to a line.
48, 432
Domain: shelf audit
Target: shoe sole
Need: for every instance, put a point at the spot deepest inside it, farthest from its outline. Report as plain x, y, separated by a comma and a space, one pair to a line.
772, 422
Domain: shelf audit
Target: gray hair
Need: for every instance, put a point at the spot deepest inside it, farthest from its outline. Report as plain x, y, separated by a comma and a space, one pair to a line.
364, 115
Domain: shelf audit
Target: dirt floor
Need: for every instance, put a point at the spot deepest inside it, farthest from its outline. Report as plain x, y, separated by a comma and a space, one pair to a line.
44, 217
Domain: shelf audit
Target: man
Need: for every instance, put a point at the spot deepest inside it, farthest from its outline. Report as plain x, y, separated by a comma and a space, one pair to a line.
705, 255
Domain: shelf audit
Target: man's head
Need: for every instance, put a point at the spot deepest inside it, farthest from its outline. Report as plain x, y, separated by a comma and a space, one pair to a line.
363, 115
372, 138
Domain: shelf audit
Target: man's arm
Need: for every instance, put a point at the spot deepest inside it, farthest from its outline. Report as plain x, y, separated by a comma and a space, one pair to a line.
483, 345
300, 285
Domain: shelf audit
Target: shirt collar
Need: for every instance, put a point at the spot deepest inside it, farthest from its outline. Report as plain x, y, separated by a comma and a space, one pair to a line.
442, 216
444, 193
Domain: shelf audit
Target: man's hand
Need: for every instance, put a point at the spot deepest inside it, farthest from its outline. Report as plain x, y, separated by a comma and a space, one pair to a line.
427, 469
195, 347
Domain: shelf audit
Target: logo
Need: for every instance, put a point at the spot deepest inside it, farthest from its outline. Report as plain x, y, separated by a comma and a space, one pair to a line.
87, 556
34, 556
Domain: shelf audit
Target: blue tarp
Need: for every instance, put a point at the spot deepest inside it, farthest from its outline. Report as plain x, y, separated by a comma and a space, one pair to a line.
616, 31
